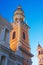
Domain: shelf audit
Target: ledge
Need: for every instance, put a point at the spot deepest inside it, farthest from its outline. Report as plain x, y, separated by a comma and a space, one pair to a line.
24, 50
10, 53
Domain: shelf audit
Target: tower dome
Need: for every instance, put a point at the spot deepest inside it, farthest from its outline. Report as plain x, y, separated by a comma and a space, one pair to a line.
19, 14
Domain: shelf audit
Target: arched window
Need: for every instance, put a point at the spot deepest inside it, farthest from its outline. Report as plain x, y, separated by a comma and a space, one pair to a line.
6, 36
23, 35
14, 34
39, 52
16, 19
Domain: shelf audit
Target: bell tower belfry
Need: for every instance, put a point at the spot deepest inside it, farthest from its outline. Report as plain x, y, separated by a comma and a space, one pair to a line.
19, 32
19, 38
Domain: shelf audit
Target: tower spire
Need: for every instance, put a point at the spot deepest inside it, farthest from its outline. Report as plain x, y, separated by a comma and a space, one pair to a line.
39, 45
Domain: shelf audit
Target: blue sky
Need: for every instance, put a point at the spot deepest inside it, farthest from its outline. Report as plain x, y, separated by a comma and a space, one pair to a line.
33, 10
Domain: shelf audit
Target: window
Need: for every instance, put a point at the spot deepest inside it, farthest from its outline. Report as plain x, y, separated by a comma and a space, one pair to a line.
6, 37
14, 33
23, 35
16, 19
39, 52
3, 59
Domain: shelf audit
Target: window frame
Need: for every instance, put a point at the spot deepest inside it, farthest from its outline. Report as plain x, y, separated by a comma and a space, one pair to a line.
24, 35
14, 35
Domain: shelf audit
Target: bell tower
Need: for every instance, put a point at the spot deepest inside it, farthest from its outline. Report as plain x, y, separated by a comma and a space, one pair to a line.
19, 38
40, 55
19, 32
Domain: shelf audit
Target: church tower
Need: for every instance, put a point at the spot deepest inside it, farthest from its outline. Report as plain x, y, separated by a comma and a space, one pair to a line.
40, 55
19, 34
19, 38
